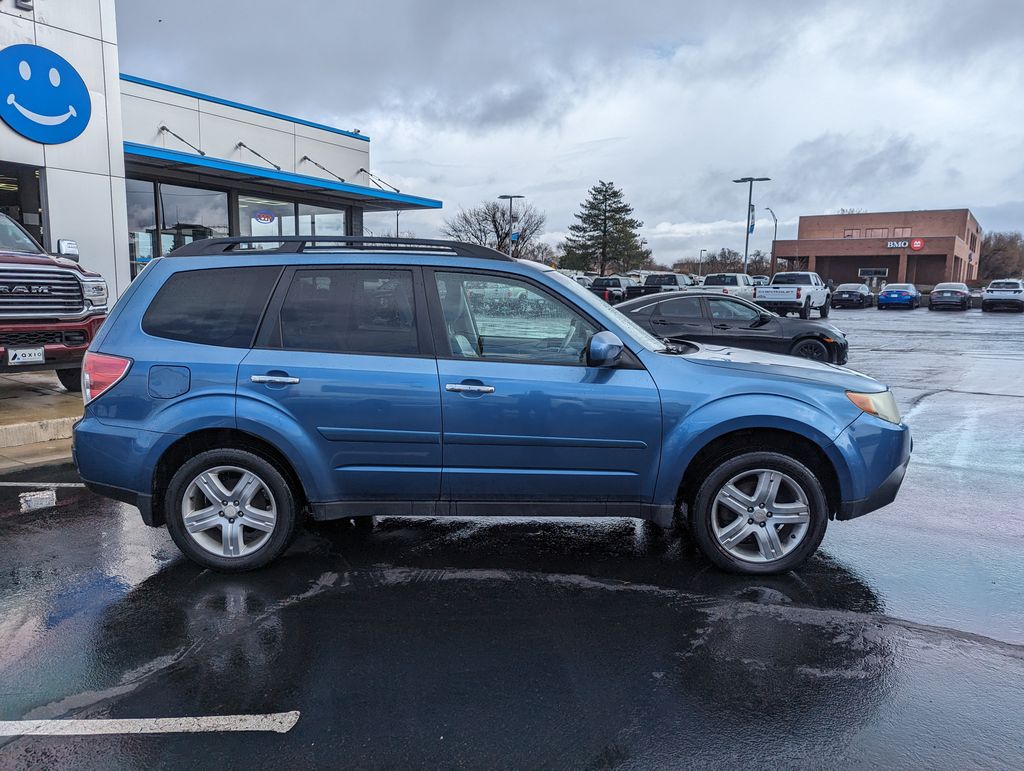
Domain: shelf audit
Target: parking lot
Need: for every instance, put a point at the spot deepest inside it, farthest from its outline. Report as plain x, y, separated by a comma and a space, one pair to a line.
555, 643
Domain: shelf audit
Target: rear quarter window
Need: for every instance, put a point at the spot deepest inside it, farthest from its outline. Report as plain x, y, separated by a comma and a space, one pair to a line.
217, 306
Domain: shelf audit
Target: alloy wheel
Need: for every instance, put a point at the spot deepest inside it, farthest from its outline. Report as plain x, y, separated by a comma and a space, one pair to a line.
229, 511
760, 515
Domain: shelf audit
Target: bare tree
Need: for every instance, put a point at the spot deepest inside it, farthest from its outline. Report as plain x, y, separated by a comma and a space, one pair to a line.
488, 225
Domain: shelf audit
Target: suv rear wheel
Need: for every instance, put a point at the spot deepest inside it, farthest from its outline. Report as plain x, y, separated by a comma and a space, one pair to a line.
230, 510
759, 512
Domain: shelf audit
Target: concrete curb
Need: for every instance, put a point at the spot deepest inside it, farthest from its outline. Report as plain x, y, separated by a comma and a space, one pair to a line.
17, 434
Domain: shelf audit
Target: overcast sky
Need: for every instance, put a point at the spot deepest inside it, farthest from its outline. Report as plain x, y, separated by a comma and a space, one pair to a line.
872, 105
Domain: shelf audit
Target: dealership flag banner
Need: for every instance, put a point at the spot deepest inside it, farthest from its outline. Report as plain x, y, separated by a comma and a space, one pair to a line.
750, 219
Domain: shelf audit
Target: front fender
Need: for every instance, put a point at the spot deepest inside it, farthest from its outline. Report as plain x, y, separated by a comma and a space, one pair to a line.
714, 419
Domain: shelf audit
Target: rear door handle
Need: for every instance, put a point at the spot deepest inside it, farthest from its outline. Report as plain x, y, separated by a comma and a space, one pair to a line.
282, 379
469, 388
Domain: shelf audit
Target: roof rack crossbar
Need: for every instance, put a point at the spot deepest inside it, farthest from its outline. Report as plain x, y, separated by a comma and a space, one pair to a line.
294, 244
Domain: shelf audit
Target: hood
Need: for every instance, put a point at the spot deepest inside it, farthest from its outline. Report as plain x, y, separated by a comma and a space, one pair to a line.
778, 365
23, 259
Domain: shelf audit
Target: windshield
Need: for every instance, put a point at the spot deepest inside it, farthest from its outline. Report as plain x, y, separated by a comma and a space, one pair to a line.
1004, 285
720, 280
792, 278
600, 282
589, 300
848, 288
14, 239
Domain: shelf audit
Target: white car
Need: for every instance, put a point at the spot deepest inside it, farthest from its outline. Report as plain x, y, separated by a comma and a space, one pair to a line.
1003, 293
732, 284
797, 292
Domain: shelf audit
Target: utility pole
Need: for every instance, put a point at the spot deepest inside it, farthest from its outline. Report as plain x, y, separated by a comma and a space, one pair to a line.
750, 220
775, 235
509, 198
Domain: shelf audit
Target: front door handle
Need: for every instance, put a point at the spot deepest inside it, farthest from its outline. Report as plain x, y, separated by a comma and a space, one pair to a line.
469, 388
281, 379
722, 326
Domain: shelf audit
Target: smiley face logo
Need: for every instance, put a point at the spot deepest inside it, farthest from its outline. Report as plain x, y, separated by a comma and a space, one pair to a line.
42, 97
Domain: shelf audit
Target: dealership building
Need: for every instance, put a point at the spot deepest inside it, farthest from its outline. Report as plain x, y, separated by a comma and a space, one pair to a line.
130, 168
920, 247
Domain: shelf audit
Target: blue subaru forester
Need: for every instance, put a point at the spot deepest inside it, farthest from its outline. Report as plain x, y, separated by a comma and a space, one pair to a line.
241, 384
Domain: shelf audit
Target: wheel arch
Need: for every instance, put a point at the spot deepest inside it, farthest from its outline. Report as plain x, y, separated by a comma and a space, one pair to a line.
213, 439
791, 443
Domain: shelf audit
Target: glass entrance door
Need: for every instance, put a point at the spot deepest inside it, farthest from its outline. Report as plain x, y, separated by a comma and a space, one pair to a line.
20, 198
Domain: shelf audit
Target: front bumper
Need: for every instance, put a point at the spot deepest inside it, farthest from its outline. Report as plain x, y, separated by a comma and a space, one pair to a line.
64, 343
886, 454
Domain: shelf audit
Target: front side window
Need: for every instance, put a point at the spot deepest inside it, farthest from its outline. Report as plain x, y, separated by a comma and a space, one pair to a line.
365, 311
730, 310
491, 317
220, 306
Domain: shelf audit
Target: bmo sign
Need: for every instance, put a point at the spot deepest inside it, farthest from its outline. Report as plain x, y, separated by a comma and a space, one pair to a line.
915, 244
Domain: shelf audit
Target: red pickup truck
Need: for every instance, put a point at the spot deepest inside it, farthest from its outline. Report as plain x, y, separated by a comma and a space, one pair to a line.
50, 307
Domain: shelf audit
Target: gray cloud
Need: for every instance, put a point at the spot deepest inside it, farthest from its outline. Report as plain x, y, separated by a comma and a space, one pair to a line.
875, 104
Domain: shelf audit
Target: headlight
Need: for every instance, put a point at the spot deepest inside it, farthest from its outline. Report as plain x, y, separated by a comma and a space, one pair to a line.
95, 291
881, 405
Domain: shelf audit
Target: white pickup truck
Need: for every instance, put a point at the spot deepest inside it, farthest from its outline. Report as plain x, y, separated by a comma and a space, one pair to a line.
732, 284
797, 292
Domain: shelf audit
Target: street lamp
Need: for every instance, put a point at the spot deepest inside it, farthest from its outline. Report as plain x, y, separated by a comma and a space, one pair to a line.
509, 198
700, 262
750, 200
775, 234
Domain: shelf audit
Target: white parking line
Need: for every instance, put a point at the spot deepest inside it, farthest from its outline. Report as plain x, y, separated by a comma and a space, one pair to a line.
41, 484
278, 722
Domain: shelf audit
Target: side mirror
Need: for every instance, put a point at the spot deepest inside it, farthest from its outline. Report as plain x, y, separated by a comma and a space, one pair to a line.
67, 248
762, 319
604, 350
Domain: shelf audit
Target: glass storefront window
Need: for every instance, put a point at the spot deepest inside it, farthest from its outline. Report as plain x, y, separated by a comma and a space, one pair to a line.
259, 216
141, 223
188, 214
320, 221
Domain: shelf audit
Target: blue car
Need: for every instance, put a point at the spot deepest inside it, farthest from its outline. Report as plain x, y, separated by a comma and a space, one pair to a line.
236, 390
899, 296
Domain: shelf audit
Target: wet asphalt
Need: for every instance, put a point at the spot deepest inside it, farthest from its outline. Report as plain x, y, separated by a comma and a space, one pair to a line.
558, 643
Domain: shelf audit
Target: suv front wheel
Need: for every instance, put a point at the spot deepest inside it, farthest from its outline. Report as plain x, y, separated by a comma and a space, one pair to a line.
230, 510
759, 512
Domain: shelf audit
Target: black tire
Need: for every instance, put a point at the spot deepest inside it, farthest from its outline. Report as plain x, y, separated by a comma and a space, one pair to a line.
809, 348
931, 307
985, 308
703, 510
71, 379
824, 309
284, 496
805, 312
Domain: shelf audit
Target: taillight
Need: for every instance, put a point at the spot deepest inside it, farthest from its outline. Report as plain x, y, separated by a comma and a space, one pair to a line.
725, 291
798, 290
755, 291
100, 371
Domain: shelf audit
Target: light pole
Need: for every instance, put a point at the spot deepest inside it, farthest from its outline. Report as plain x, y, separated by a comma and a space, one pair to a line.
750, 201
700, 262
775, 234
509, 198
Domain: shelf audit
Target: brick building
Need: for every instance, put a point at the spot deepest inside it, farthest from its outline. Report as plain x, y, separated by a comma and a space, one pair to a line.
922, 247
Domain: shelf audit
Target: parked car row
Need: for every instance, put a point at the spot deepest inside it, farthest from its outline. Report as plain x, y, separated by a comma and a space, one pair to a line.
1002, 293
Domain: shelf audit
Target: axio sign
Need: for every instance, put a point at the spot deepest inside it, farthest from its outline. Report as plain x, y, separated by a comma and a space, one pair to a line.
42, 97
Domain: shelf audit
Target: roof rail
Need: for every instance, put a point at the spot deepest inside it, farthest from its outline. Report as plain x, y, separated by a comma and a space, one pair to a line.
293, 244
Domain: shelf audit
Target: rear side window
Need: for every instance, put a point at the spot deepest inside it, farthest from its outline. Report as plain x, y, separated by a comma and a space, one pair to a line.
349, 311
219, 306
720, 280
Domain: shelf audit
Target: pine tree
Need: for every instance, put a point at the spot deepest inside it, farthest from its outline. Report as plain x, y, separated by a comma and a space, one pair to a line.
604, 234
